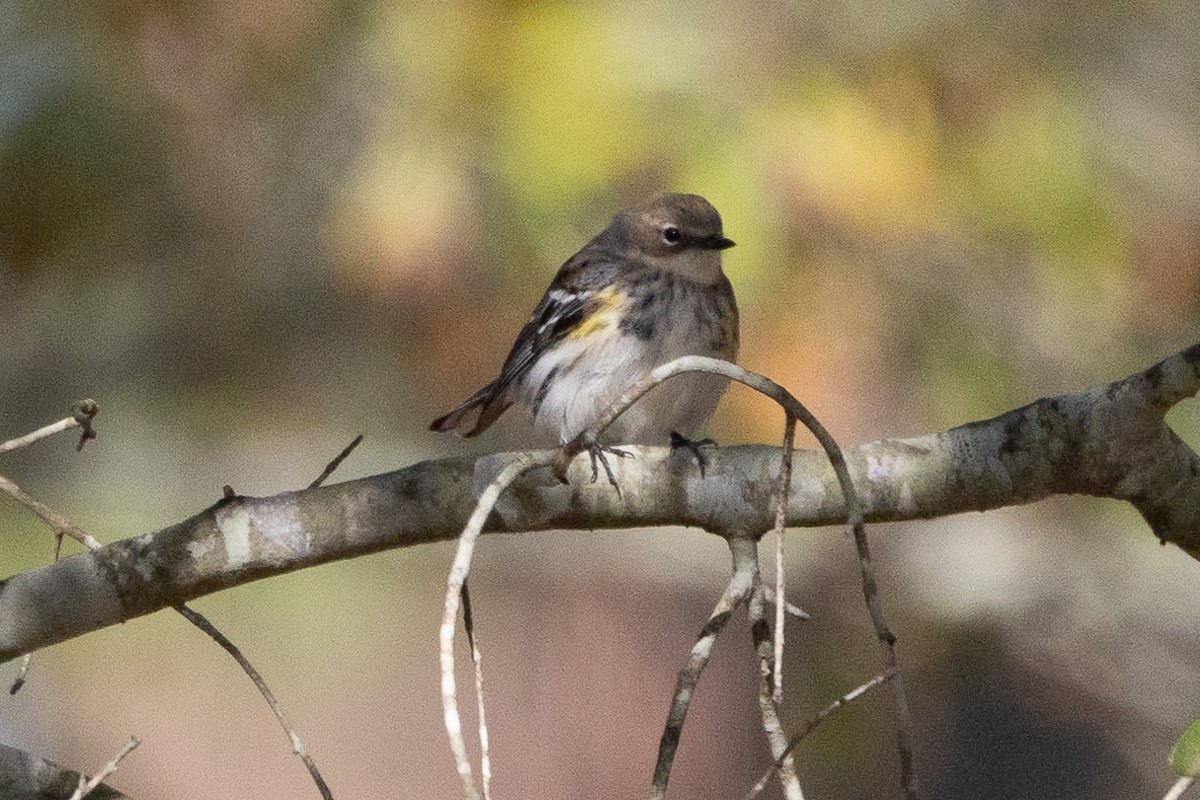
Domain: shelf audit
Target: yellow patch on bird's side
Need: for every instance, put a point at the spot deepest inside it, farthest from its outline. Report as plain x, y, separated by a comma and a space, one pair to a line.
603, 309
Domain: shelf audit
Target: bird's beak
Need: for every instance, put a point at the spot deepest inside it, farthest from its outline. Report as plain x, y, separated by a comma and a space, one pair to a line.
717, 242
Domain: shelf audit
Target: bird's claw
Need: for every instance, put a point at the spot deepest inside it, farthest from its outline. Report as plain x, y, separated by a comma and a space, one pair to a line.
597, 453
678, 441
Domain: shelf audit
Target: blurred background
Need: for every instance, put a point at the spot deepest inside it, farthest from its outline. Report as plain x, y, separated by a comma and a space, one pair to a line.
251, 230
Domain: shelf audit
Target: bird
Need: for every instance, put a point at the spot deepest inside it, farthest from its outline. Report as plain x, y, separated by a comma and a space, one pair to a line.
646, 290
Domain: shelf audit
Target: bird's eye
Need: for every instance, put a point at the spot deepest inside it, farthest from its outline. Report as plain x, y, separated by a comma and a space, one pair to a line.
671, 235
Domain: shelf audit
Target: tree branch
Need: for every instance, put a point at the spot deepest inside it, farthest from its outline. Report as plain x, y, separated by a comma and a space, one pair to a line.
28, 777
768, 667
1108, 441
745, 575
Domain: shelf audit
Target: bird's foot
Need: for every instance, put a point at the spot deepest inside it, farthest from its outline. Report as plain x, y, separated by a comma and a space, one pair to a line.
693, 446
597, 453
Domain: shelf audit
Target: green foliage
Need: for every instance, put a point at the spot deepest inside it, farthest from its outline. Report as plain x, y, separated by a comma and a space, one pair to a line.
1185, 755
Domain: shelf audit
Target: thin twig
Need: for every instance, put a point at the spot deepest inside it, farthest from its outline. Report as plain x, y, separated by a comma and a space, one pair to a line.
86, 785
201, 622
785, 482
27, 659
459, 571
792, 609
337, 461
81, 416
22, 674
485, 758
1178, 788
41, 433
854, 512
57, 522
760, 636
848, 697
62, 526
745, 567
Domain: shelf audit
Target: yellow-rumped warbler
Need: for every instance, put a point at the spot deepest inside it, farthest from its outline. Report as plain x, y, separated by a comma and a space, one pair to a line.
645, 291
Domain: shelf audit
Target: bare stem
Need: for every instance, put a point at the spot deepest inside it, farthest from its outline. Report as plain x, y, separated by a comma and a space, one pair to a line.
22, 674
41, 433
337, 462
810, 726
485, 758
854, 512
1178, 788
81, 416
201, 622
745, 568
760, 634
792, 609
57, 522
86, 785
460, 569
785, 482
27, 659
84, 411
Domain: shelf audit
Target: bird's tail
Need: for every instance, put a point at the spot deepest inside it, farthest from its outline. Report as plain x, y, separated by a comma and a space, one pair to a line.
489, 405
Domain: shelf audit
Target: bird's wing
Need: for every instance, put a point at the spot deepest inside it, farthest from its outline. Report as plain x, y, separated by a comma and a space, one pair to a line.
573, 294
